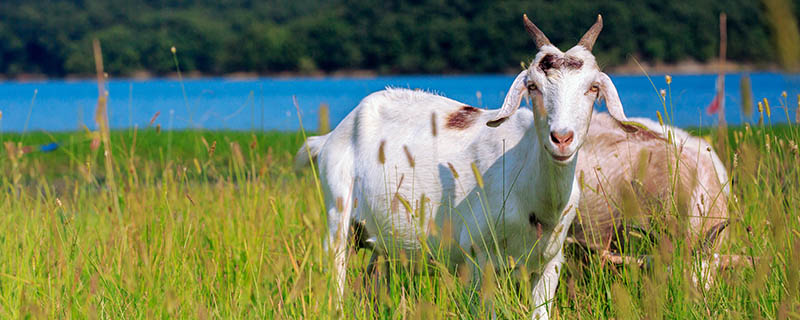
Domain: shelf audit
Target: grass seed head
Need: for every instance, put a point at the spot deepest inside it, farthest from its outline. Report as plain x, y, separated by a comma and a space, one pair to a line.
453, 170
668, 78
622, 301
155, 116
797, 112
11, 149
409, 157
395, 206
421, 209
478, 177
237, 153
253, 142
433, 124
381, 153
745, 89
766, 106
324, 119
404, 202
488, 283
464, 274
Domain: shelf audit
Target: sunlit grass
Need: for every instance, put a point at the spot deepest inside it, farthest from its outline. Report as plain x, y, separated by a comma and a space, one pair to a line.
235, 232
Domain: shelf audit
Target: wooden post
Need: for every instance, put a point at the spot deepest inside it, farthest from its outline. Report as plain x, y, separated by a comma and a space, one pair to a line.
101, 117
722, 128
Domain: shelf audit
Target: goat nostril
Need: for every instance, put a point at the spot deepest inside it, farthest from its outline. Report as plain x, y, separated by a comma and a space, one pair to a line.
553, 137
569, 137
562, 139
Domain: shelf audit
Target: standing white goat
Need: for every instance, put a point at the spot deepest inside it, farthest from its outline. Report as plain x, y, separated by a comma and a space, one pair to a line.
498, 183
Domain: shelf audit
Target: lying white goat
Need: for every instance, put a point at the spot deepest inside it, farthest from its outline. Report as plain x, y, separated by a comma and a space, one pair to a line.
423, 150
636, 172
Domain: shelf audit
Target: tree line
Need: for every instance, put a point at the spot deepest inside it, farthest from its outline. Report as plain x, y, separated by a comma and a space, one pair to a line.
416, 36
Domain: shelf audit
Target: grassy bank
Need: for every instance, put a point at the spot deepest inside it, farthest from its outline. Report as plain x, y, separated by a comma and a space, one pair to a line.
218, 225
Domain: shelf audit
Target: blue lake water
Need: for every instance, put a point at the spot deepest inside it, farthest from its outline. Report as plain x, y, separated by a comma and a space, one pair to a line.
266, 103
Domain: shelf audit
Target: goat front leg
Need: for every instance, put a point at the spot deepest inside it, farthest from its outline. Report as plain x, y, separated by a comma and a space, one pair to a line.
545, 289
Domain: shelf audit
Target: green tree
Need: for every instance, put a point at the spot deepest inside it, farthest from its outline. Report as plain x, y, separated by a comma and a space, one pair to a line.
419, 36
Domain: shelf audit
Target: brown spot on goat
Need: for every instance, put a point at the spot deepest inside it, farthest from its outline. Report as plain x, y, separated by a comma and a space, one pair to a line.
642, 133
573, 63
462, 118
549, 62
552, 62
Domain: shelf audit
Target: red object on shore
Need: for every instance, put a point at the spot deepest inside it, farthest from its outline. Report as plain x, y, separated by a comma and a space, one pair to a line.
713, 108
718, 104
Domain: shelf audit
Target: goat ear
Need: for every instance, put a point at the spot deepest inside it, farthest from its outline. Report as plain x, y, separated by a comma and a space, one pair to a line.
512, 101
614, 105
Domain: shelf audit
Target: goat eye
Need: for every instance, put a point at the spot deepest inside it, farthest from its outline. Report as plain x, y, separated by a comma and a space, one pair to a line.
531, 86
595, 87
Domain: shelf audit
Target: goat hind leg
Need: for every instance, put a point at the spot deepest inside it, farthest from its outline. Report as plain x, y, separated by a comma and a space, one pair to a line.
339, 221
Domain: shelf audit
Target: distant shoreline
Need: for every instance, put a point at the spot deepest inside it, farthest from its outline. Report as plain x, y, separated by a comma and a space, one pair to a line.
630, 68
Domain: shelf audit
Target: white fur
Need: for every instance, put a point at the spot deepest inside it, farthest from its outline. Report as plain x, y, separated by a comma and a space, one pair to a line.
516, 161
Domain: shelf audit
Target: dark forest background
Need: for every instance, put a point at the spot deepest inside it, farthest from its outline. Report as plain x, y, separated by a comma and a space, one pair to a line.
53, 38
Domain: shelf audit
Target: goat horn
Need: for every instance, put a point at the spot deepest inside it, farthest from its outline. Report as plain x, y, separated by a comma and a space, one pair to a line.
536, 34
588, 39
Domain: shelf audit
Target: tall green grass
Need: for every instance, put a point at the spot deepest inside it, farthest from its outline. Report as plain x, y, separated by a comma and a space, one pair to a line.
234, 232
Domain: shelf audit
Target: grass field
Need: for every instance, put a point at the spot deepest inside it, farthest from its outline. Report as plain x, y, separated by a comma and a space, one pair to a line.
199, 224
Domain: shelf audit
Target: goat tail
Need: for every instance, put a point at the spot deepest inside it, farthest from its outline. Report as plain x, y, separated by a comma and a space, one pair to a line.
309, 151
